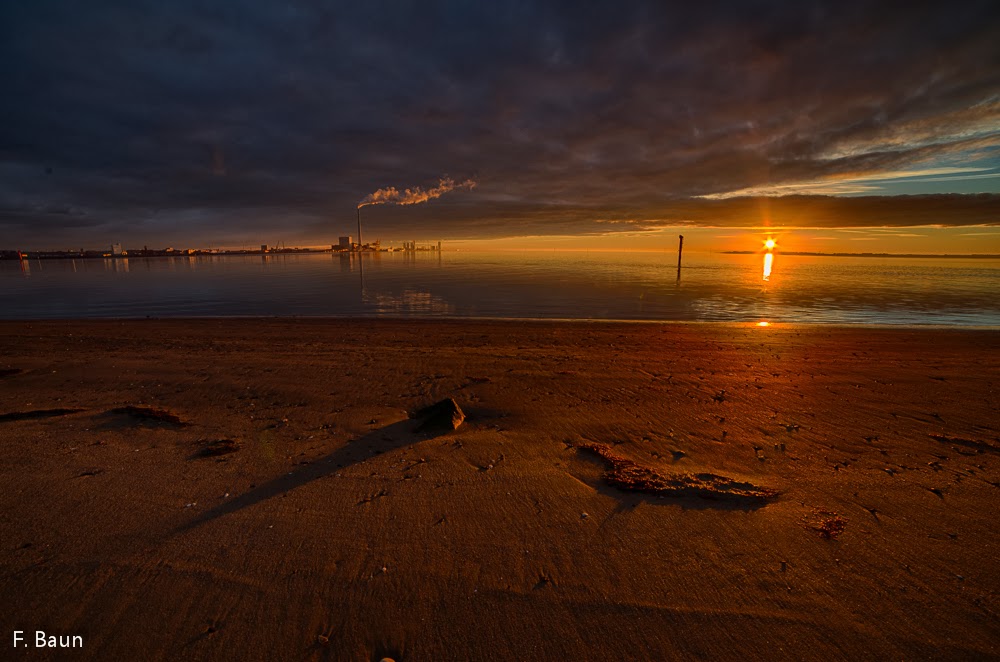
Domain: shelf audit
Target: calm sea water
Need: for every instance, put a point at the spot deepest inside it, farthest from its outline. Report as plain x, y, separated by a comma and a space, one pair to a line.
628, 286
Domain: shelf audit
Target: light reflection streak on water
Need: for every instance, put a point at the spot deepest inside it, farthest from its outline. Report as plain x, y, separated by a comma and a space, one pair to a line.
768, 261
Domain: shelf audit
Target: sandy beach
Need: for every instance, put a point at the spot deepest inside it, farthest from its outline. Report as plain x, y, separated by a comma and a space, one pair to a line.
257, 489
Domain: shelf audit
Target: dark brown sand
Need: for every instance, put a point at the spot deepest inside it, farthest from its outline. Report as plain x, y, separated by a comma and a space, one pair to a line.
271, 499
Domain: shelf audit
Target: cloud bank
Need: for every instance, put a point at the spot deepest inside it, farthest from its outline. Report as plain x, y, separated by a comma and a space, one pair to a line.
151, 121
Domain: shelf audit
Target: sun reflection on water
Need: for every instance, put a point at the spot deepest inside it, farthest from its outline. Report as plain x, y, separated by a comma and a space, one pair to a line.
768, 261
769, 245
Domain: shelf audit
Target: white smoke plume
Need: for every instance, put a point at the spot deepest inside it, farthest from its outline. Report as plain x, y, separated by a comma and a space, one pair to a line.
415, 195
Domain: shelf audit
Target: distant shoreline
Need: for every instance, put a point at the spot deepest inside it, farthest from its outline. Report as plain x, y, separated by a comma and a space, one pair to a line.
188, 253
64, 255
976, 256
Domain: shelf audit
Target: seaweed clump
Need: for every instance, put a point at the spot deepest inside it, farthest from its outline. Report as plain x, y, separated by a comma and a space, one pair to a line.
626, 474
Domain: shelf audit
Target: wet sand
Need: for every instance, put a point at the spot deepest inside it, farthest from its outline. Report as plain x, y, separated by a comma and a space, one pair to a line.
255, 489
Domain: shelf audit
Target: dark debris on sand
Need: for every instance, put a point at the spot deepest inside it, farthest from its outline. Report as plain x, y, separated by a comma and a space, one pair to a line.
978, 446
827, 523
628, 475
217, 447
145, 413
36, 413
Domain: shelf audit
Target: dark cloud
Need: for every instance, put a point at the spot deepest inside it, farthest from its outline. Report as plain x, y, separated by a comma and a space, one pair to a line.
210, 120
817, 211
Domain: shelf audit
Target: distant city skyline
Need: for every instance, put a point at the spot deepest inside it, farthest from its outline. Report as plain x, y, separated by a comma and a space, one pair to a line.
613, 127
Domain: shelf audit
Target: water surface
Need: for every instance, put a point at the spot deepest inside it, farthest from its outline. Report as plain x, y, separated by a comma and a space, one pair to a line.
565, 285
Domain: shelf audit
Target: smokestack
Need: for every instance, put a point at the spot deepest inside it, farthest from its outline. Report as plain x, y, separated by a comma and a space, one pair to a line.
410, 196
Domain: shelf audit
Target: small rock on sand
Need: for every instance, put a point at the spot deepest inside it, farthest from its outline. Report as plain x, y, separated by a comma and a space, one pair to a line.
443, 415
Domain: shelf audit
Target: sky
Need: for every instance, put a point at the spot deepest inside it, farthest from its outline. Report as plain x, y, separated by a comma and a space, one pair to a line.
836, 126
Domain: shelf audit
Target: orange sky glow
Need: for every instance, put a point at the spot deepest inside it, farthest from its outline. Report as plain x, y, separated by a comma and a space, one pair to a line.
923, 240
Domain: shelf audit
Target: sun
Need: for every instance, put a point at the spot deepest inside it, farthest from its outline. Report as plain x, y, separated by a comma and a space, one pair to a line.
770, 244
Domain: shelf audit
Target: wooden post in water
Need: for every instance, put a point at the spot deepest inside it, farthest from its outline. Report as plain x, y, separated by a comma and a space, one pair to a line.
680, 248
